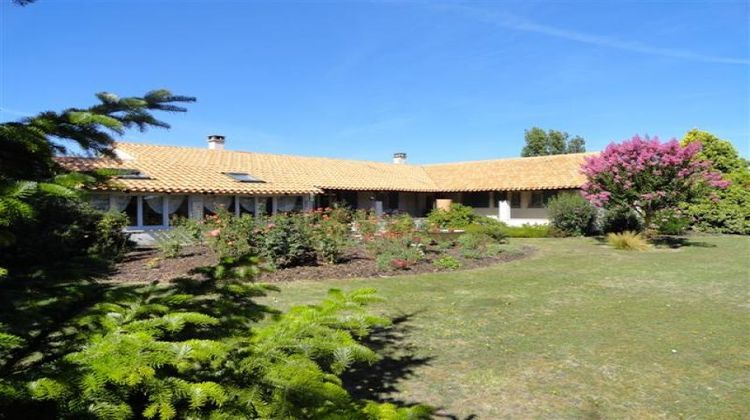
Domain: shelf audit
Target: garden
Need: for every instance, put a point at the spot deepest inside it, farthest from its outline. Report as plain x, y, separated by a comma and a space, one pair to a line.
333, 242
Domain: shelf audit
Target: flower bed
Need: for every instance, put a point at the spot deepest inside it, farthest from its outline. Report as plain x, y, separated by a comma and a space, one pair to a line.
139, 266
329, 243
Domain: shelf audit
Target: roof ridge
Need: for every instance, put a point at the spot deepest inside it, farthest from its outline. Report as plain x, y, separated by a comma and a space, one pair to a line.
506, 159
262, 153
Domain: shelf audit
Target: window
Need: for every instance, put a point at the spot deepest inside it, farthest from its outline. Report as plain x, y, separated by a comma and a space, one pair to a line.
247, 205
242, 177
515, 199
476, 199
130, 206
177, 207
289, 204
213, 204
130, 174
549, 195
153, 208
537, 200
393, 200
265, 206
350, 198
99, 201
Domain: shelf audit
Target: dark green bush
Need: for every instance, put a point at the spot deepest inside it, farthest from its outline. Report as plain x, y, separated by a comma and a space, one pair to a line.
618, 220
65, 230
571, 214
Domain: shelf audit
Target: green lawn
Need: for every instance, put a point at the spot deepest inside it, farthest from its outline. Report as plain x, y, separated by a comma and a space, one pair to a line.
577, 330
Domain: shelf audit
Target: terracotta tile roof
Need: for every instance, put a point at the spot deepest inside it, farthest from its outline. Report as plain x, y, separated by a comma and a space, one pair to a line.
532, 173
173, 169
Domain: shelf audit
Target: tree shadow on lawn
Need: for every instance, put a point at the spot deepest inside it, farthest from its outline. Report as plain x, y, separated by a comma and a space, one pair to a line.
665, 241
379, 381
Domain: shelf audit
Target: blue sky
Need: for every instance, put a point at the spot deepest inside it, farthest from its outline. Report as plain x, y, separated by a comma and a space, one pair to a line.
440, 81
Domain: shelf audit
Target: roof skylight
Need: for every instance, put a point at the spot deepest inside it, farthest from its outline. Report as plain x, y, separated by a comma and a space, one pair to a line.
131, 174
242, 177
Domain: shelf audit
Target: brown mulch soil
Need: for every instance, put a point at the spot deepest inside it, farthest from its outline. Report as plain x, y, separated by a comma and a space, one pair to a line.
145, 265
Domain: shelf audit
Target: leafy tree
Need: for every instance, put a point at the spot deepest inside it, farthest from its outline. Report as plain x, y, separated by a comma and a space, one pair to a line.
646, 176
731, 212
28, 172
552, 142
576, 145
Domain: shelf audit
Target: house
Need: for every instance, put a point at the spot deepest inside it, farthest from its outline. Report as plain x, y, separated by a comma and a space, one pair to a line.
160, 182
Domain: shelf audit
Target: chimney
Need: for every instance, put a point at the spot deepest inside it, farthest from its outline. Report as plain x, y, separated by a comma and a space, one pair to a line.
399, 158
216, 142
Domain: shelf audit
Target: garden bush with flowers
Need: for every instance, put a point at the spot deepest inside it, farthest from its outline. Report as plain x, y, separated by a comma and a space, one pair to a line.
648, 176
331, 236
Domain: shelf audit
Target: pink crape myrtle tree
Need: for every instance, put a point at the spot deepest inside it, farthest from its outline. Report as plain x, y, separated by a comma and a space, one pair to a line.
648, 176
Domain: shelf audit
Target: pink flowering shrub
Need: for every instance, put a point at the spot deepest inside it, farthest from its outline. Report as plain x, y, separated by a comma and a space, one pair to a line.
647, 176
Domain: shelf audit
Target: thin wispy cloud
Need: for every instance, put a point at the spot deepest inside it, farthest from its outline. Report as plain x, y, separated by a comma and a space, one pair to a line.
516, 23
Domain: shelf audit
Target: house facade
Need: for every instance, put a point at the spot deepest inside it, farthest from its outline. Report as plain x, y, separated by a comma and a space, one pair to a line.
158, 183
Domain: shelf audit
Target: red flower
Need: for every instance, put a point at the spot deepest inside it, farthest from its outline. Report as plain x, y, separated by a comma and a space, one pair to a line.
400, 263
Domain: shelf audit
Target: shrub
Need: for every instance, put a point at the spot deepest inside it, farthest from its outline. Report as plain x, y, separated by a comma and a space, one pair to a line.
473, 241
629, 241
401, 224
447, 263
64, 230
571, 214
110, 240
490, 227
330, 239
528, 231
287, 242
444, 245
340, 212
366, 223
670, 222
195, 229
170, 243
388, 249
473, 254
619, 219
493, 249
229, 236
457, 216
